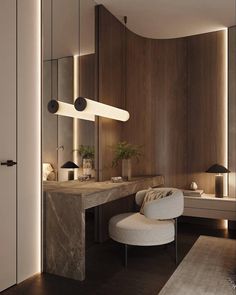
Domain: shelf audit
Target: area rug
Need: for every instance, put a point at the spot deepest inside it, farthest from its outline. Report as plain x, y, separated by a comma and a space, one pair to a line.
208, 269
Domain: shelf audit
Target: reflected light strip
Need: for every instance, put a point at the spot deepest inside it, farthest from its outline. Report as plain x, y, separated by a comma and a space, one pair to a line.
225, 224
83, 54
226, 177
88, 106
76, 76
66, 109
75, 121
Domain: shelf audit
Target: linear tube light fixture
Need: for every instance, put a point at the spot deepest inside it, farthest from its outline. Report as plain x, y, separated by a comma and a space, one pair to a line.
66, 109
91, 107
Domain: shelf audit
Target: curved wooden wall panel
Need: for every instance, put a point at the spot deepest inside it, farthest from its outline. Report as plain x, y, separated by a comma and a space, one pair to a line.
206, 106
110, 58
156, 100
175, 96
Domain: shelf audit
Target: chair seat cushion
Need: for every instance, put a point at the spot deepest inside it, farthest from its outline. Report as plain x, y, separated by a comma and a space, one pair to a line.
136, 229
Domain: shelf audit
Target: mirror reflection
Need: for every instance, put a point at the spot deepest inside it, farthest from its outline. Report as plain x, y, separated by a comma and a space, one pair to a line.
68, 72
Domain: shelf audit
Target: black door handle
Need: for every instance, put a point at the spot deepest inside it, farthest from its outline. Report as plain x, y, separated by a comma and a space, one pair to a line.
8, 163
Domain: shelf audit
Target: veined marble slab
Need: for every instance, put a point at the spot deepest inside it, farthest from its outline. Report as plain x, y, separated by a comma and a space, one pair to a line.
96, 193
64, 219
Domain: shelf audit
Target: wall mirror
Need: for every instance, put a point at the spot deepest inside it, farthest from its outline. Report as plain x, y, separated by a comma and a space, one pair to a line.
68, 72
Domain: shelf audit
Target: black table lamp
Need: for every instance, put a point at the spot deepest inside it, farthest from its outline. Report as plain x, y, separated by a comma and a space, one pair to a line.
71, 166
219, 171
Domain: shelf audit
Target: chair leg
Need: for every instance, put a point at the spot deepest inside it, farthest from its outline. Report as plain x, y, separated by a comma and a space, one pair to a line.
176, 241
126, 255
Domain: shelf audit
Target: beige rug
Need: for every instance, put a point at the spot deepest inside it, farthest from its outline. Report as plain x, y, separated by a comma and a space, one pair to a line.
209, 268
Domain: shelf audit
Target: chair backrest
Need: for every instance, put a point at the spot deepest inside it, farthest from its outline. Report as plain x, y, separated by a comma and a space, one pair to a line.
165, 208
141, 194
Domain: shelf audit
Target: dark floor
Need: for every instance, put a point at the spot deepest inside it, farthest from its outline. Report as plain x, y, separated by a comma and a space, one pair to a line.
148, 268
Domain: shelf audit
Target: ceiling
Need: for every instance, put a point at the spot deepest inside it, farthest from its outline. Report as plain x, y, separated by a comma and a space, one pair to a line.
164, 19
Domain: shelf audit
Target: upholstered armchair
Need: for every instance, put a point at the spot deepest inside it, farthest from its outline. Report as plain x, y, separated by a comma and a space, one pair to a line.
157, 226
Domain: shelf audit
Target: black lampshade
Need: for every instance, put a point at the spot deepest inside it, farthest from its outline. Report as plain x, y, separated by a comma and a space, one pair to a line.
216, 168
69, 165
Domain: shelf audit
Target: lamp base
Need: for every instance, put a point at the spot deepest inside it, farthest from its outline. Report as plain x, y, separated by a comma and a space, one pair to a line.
219, 188
71, 175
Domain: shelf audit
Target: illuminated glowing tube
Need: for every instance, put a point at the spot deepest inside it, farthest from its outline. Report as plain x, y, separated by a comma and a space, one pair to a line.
66, 109
88, 106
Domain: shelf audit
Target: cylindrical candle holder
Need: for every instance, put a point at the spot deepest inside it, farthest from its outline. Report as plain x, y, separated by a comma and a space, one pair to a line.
219, 188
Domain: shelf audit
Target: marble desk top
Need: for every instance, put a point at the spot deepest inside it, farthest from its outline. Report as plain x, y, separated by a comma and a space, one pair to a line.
96, 193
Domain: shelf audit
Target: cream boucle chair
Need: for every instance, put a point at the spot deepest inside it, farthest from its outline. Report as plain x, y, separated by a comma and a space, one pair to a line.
157, 226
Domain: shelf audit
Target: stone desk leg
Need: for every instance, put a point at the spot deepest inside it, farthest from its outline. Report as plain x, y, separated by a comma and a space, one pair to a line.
64, 235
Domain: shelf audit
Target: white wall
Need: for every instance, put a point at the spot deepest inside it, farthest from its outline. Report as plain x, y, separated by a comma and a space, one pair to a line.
29, 138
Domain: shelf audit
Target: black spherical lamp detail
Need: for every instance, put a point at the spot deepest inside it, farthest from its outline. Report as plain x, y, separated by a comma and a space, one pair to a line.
80, 104
53, 106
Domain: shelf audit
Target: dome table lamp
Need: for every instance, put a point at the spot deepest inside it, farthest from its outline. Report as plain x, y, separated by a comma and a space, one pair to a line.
70, 166
219, 170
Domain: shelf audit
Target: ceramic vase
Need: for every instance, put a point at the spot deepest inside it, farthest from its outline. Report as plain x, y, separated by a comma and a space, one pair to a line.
126, 169
193, 186
87, 167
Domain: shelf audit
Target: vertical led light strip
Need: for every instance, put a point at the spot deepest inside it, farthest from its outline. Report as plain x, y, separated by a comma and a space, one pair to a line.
226, 110
75, 121
75, 95
29, 179
39, 106
38, 131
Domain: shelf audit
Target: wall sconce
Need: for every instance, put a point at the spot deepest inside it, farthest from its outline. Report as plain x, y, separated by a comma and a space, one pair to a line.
218, 170
91, 107
66, 109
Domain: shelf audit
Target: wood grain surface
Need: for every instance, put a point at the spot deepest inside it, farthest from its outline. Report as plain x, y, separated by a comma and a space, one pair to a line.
206, 107
175, 93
